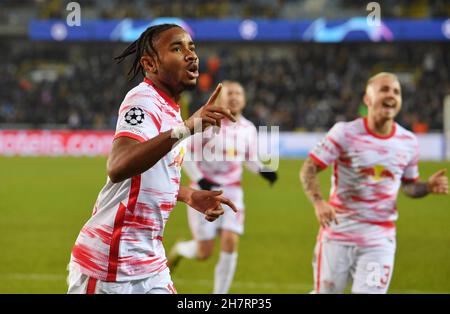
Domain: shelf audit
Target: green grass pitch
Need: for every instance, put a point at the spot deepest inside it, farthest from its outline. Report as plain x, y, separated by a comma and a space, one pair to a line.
45, 202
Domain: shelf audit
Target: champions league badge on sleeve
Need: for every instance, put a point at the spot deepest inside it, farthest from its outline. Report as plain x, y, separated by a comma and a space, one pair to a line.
134, 116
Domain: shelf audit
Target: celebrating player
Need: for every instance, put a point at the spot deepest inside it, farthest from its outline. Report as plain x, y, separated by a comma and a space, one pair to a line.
235, 143
372, 158
119, 249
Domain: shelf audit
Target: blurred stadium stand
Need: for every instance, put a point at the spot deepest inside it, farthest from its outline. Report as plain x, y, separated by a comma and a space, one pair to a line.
299, 86
16, 11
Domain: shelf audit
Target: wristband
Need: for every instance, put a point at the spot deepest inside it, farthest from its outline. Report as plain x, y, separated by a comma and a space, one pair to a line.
180, 131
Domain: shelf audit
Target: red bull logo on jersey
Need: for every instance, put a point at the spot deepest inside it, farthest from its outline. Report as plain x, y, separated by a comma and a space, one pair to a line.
377, 172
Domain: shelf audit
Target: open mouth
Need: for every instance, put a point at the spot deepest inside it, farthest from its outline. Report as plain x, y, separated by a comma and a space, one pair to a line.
192, 70
389, 104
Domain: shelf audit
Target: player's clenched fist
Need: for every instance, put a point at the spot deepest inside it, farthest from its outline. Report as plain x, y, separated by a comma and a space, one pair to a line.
210, 114
325, 213
438, 183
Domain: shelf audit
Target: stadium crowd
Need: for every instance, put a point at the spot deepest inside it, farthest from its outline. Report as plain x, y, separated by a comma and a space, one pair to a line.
300, 86
19, 12
297, 86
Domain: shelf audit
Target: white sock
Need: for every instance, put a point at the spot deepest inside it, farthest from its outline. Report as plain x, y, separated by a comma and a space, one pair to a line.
224, 272
187, 249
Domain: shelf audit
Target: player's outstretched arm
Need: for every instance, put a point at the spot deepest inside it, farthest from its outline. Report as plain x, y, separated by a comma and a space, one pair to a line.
206, 202
128, 157
325, 213
436, 184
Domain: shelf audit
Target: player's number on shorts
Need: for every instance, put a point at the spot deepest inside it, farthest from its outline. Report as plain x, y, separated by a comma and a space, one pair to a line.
378, 275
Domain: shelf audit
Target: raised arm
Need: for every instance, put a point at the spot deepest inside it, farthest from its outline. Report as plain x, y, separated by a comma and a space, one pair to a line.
130, 157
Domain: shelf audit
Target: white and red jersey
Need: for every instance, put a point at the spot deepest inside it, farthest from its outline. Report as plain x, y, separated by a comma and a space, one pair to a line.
219, 157
122, 240
368, 171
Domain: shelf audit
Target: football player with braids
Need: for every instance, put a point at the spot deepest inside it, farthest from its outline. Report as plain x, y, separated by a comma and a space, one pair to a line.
120, 249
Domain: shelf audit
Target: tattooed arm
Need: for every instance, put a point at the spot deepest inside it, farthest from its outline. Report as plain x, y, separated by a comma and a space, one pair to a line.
415, 189
325, 213
436, 184
308, 178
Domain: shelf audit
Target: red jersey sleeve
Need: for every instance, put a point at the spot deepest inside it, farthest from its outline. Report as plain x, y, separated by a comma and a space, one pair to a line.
330, 147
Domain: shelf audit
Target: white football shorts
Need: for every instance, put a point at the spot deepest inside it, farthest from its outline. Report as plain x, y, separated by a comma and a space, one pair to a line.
369, 268
79, 283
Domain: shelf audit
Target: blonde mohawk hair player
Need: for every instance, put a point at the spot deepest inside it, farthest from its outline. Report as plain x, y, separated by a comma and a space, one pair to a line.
372, 157
120, 249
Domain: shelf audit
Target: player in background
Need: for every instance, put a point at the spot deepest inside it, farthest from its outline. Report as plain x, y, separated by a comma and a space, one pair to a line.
119, 249
372, 158
236, 142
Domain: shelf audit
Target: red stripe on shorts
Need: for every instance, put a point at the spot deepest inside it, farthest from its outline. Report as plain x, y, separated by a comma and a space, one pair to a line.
171, 288
92, 283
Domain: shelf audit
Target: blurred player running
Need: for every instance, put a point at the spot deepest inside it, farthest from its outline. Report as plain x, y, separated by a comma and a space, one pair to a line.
372, 158
235, 143
119, 249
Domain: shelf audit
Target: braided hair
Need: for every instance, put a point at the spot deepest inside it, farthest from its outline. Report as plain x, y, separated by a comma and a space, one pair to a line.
143, 45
